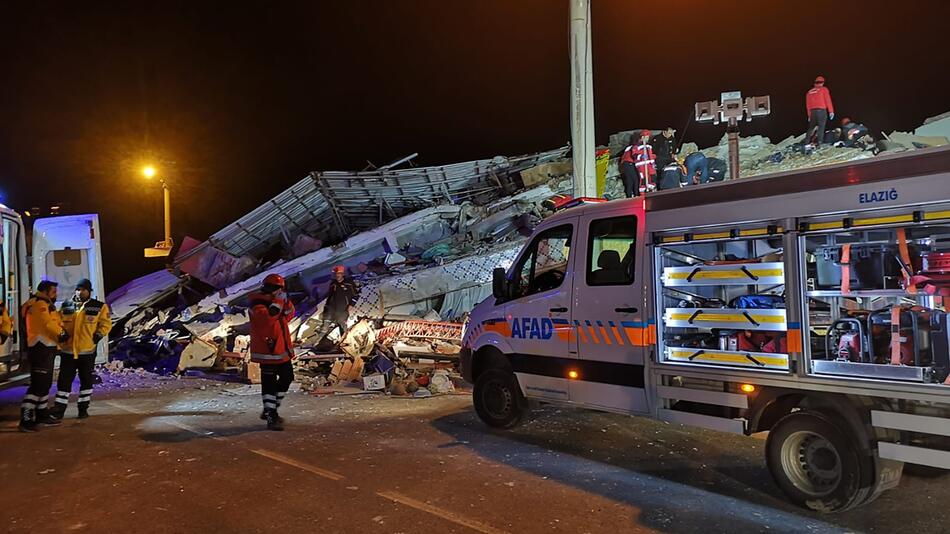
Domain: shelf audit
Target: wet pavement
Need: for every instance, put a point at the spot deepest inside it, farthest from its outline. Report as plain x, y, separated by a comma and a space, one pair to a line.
184, 456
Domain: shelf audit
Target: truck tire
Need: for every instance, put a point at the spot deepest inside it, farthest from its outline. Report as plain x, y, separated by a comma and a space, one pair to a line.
498, 399
817, 463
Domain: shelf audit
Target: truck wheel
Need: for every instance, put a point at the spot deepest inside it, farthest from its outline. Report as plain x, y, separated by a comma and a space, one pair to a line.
817, 464
498, 399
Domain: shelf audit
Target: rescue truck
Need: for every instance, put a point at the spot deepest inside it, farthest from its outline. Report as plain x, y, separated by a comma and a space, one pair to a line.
65, 249
807, 304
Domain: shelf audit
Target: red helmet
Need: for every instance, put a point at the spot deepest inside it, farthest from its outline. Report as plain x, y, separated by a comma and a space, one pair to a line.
339, 269
645, 132
820, 79
275, 279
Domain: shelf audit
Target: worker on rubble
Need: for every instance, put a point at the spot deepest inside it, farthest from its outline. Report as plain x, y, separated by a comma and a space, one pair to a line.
6, 324
44, 329
87, 321
852, 133
628, 170
341, 298
820, 111
645, 162
271, 345
697, 169
664, 144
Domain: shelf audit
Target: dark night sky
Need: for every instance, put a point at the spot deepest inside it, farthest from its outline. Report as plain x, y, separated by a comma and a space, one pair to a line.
237, 103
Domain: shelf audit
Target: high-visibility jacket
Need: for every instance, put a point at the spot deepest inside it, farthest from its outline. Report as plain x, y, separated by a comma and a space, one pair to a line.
6, 324
818, 98
644, 156
43, 323
86, 323
270, 331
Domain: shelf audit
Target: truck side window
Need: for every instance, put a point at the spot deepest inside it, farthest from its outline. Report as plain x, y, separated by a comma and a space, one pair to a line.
611, 251
544, 264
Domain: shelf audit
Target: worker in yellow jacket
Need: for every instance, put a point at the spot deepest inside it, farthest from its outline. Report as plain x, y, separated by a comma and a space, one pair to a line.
44, 330
87, 321
6, 324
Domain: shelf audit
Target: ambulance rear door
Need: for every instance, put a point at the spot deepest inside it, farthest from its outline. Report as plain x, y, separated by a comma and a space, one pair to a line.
609, 310
539, 312
67, 249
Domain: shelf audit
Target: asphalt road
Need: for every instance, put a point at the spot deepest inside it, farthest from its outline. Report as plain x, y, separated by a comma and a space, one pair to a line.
181, 456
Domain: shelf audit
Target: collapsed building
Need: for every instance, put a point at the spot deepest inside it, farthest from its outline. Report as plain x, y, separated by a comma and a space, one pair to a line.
421, 242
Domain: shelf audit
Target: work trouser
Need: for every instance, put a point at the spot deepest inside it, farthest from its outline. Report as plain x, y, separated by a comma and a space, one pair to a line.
631, 179
41, 360
275, 381
339, 319
68, 367
816, 126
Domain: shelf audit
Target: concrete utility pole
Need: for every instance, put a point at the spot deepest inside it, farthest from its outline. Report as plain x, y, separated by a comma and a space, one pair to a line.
731, 111
582, 101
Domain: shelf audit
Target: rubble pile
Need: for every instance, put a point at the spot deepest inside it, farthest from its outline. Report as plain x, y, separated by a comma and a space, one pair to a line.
423, 269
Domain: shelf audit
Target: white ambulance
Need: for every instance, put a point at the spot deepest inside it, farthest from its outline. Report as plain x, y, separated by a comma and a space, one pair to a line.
808, 304
65, 249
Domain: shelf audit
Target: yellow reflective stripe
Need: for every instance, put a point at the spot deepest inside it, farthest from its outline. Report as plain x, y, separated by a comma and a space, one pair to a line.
728, 317
728, 357
937, 215
751, 232
736, 273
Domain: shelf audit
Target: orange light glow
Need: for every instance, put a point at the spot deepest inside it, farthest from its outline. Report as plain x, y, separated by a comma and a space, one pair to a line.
572, 374
747, 388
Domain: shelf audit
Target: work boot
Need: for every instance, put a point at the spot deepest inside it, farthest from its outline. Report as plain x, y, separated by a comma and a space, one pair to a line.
273, 420
43, 417
27, 420
264, 416
58, 410
83, 410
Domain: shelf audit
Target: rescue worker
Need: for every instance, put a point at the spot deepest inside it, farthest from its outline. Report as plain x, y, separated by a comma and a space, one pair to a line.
44, 329
645, 162
271, 345
664, 144
672, 176
696, 164
341, 298
87, 321
628, 171
820, 110
6, 324
853, 133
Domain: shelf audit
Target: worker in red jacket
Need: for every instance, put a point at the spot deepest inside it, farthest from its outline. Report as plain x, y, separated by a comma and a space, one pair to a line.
646, 162
271, 345
820, 110
628, 170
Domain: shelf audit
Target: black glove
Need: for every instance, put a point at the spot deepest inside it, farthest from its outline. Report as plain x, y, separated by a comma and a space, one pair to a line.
271, 344
273, 309
96, 338
63, 336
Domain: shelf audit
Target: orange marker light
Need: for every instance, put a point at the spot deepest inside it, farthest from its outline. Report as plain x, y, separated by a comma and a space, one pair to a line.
747, 388
572, 374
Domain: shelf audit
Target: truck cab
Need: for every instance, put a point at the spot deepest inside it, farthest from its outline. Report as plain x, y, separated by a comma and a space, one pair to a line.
567, 318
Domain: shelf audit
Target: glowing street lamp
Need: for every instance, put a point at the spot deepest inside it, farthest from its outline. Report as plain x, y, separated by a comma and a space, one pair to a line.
161, 248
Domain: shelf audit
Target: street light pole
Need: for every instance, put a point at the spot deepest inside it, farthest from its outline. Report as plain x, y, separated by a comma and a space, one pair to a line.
162, 248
